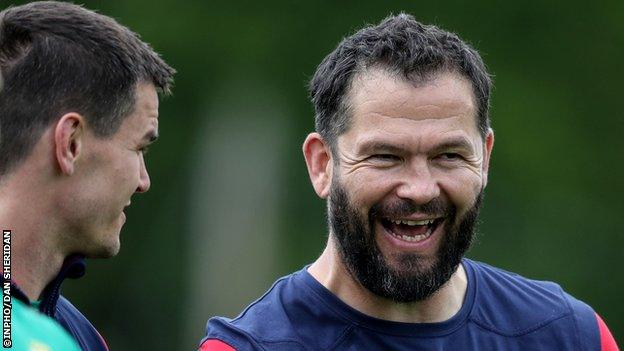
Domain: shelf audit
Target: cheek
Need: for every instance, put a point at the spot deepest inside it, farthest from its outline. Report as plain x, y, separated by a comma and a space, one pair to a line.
89, 207
127, 169
462, 187
368, 188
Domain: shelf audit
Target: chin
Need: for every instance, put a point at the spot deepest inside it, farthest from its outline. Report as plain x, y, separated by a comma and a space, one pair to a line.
410, 264
107, 247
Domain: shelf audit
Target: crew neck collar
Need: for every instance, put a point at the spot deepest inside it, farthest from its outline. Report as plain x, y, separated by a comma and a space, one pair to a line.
396, 328
73, 267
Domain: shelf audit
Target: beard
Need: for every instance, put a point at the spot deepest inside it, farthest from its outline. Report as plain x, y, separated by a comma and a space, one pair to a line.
414, 279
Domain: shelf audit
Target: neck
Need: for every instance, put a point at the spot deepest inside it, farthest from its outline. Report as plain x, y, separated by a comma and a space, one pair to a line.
35, 258
330, 271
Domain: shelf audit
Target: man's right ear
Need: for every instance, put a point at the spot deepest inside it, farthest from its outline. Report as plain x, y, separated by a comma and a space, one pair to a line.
68, 135
319, 161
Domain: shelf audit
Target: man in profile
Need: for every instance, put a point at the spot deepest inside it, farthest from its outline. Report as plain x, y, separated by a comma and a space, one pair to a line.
401, 153
78, 108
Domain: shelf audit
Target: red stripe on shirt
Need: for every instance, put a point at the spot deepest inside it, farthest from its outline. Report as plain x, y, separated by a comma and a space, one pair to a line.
607, 343
215, 345
102, 339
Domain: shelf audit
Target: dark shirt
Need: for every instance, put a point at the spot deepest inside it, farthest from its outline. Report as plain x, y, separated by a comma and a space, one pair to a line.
501, 311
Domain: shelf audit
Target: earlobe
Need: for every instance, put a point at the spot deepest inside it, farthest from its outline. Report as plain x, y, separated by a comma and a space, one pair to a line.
318, 160
487, 152
68, 135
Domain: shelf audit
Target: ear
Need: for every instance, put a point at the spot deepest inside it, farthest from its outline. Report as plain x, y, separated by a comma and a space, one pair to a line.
319, 161
487, 152
68, 135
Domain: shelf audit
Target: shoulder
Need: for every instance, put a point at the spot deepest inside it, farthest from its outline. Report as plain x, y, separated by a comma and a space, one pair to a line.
267, 323
32, 329
512, 305
79, 326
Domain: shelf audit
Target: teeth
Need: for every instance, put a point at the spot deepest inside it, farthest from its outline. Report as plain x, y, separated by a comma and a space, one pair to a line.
412, 223
414, 238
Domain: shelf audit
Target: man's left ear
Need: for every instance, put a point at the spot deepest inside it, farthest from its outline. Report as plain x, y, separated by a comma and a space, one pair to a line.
487, 152
68, 135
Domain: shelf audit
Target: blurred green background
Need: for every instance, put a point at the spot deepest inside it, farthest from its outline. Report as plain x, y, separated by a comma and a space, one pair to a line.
231, 208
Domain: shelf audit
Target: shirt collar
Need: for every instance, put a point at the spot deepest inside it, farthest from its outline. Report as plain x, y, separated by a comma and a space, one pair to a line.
73, 267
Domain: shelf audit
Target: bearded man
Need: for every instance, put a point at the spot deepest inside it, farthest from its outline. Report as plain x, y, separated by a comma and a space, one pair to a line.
401, 152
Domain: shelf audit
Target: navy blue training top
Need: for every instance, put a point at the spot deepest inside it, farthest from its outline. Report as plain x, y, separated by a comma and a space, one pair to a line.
501, 311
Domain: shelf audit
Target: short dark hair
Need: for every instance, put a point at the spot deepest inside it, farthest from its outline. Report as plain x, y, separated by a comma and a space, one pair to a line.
401, 45
58, 57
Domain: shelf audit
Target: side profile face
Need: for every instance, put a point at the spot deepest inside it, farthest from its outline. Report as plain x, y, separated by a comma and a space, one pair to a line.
107, 173
407, 182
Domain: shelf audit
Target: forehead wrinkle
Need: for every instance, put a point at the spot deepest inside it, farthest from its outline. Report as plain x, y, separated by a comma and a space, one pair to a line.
420, 112
379, 88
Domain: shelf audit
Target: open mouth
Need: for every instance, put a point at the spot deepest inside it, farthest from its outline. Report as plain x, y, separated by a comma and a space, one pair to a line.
411, 230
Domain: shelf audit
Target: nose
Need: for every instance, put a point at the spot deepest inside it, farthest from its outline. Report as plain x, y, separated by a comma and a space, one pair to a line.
144, 179
418, 184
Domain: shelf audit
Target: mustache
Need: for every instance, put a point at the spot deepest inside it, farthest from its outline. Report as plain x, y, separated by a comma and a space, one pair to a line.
404, 208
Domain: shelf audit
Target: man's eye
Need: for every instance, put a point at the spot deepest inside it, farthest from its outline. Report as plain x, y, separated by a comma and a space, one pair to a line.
386, 157
450, 156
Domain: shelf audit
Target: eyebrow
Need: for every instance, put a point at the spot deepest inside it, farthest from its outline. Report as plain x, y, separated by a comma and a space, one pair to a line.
379, 146
455, 143
382, 146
